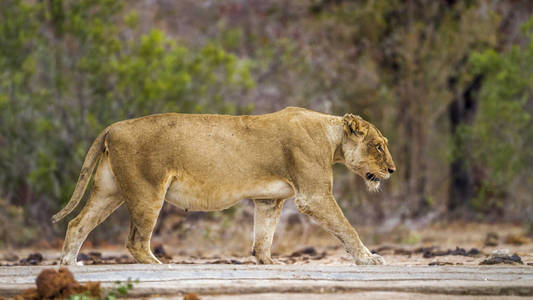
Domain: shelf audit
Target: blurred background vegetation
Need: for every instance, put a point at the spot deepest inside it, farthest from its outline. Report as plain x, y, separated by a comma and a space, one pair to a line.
449, 83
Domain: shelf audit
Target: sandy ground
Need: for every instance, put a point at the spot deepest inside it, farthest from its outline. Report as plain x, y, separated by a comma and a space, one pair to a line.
455, 244
436, 245
410, 256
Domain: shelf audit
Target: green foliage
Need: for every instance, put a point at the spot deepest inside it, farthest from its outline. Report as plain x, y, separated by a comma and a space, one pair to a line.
80, 297
120, 290
502, 130
13, 231
412, 238
71, 68
402, 65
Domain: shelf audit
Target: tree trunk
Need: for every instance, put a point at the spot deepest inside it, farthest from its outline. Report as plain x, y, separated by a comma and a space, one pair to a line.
462, 111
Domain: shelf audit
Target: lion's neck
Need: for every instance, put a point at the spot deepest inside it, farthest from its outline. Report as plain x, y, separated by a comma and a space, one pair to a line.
335, 134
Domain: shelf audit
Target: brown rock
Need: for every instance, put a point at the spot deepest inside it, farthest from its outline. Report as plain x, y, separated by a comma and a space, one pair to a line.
191, 296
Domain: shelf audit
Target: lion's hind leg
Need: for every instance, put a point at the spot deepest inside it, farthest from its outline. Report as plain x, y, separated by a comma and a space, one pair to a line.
104, 200
139, 244
266, 216
144, 205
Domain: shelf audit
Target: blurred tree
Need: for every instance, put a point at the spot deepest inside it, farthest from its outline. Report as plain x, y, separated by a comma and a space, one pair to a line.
462, 112
407, 53
401, 64
501, 132
439, 78
70, 68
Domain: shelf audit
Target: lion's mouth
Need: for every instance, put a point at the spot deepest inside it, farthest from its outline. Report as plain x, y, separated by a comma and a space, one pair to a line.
372, 177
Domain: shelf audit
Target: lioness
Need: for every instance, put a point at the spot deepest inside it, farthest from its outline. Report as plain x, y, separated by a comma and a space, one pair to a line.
211, 162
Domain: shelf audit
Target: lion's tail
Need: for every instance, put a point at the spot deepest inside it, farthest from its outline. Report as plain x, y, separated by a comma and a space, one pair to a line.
91, 160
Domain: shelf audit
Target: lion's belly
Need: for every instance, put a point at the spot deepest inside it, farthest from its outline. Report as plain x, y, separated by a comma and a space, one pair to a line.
196, 196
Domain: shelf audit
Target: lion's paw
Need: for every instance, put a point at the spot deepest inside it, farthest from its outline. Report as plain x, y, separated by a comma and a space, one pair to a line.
265, 261
71, 263
373, 259
367, 258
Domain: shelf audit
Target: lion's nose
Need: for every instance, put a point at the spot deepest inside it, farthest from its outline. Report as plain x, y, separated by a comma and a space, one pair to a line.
391, 170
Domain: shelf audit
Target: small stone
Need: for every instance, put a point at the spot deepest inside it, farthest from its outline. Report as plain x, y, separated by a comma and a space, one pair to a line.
83, 257
501, 252
305, 251
440, 263
32, 259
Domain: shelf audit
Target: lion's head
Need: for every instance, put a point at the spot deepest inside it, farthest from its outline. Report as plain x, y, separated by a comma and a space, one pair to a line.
366, 151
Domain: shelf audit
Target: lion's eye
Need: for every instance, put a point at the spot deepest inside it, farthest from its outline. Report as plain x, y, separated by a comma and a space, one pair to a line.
380, 148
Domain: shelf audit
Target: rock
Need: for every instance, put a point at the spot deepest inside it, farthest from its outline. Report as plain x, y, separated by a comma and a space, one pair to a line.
124, 259
431, 252
389, 250
503, 259
83, 257
32, 259
440, 263
501, 252
305, 251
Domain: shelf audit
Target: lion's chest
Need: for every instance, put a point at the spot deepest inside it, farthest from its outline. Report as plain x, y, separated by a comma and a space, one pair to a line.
204, 196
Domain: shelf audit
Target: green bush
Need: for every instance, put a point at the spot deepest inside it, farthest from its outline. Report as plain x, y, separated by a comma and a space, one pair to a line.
71, 68
501, 132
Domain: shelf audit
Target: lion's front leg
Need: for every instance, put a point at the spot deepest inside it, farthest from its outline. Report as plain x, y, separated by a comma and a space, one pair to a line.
266, 216
324, 210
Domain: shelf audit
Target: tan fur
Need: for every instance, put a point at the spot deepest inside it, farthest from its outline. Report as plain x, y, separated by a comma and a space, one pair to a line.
211, 162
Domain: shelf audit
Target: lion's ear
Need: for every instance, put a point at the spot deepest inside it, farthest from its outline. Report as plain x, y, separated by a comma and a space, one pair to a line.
353, 125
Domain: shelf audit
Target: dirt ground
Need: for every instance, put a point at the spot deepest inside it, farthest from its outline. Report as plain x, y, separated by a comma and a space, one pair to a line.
458, 244
439, 244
